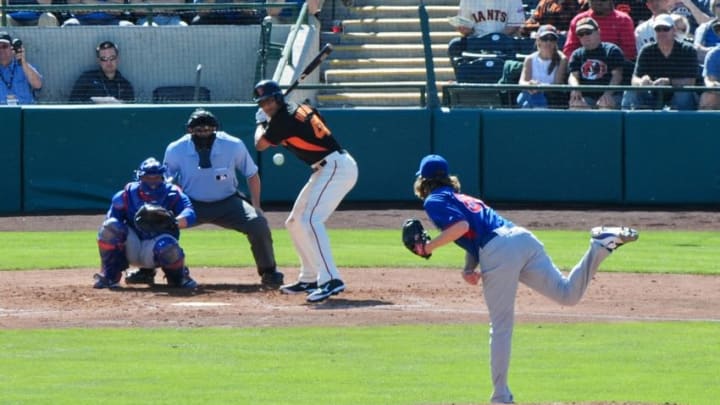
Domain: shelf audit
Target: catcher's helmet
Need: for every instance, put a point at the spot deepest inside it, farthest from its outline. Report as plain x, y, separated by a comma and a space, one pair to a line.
266, 89
201, 117
150, 166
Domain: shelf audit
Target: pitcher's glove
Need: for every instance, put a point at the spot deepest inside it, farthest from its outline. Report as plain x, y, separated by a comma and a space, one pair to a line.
415, 237
154, 220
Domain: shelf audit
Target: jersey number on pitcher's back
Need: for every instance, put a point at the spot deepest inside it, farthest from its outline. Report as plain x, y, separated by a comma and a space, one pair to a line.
471, 203
305, 113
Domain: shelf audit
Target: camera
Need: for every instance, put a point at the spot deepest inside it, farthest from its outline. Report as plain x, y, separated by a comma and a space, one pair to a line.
17, 45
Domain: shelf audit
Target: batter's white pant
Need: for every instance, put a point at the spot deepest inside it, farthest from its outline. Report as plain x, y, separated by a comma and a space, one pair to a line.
513, 256
318, 199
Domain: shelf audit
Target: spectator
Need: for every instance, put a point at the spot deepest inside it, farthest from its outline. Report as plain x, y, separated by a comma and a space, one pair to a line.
205, 162
710, 100
547, 65
644, 32
636, 9
682, 26
557, 13
477, 18
595, 63
27, 18
159, 17
667, 62
289, 15
696, 11
705, 36
615, 27
100, 17
105, 84
19, 78
236, 16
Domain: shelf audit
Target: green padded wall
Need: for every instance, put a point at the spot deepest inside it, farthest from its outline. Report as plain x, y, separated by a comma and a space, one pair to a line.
457, 136
672, 157
386, 143
552, 156
76, 158
10, 160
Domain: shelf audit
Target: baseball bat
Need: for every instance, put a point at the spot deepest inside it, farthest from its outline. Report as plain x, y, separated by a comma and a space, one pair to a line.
324, 52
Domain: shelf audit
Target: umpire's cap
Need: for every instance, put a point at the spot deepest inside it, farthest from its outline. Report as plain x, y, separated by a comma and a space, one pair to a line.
265, 89
433, 166
202, 117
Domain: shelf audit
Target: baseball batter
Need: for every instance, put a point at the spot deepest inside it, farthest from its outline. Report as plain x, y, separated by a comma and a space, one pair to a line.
302, 130
123, 243
507, 254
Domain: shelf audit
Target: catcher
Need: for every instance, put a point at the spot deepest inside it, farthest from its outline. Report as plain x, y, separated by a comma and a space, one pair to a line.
506, 253
142, 228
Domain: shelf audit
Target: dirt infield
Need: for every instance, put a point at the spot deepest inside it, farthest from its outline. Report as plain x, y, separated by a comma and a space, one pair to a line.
232, 297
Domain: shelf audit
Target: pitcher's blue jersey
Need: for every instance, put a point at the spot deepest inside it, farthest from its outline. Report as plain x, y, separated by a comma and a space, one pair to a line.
126, 203
445, 207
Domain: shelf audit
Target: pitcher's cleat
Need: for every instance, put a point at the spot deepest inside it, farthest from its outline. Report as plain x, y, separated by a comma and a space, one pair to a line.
612, 237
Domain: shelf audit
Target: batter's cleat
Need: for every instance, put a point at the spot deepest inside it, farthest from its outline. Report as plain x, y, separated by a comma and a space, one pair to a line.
272, 280
180, 279
140, 276
299, 288
103, 282
612, 237
332, 287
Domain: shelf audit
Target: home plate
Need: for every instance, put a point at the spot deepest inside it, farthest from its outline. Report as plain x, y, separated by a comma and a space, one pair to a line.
200, 304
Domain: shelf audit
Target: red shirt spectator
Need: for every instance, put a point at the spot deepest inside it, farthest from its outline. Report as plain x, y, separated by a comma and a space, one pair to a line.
615, 27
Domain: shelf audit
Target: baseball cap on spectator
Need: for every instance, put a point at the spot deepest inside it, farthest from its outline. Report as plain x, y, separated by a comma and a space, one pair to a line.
586, 23
663, 20
547, 30
5, 37
433, 166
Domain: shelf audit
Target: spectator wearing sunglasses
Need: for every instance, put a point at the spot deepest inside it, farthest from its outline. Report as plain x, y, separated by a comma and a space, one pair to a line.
547, 65
595, 63
644, 32
667, 62
105, 84
615, 27
706, 37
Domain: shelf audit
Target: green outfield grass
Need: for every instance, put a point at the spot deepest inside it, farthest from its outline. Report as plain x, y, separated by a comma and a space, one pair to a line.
655, 251
663, 363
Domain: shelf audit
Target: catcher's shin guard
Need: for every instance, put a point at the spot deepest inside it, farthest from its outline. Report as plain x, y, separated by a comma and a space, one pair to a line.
111, 245
168, 254
113, 263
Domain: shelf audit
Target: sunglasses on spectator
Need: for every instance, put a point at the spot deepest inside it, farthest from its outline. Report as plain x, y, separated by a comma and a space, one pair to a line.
548, 38
662, 28
583, 33
107, 58
4, 46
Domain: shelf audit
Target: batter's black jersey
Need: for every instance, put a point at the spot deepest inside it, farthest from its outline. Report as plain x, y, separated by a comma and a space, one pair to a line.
302, 130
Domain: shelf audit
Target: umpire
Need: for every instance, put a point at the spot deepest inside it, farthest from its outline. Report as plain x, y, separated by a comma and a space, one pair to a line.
204, 163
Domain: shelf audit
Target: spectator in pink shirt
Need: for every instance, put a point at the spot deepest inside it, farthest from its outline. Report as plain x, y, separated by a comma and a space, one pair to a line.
615, 27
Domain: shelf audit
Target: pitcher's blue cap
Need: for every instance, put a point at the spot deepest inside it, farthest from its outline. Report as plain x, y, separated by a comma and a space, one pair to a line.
432, 166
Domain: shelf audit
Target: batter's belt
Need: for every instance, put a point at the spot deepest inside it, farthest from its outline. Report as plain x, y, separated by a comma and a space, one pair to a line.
321, 163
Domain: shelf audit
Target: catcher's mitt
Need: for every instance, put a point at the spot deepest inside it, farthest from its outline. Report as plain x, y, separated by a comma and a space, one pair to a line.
154, 219
415, 237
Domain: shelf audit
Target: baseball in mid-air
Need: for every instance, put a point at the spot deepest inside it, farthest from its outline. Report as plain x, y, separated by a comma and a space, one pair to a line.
278, 159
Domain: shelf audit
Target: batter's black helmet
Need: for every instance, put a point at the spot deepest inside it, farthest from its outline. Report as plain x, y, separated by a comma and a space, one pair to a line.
201, 117
266, 89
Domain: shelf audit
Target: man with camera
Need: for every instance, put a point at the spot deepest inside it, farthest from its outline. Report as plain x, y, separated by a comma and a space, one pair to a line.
19, 78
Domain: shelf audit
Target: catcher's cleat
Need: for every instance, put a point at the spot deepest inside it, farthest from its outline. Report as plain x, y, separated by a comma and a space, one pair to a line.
299, 288
272, 279
180, 279
140, 276
612, 237
332, 287
103, 282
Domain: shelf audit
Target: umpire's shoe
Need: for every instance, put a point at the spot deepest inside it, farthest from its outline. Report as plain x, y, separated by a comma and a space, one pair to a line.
332, 287
272, 279
140, 276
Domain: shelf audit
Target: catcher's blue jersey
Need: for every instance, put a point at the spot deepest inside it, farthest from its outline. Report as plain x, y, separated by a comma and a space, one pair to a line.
126, 203
445, 207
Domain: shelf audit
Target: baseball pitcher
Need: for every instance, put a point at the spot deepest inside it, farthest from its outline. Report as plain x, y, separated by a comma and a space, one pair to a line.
142, 228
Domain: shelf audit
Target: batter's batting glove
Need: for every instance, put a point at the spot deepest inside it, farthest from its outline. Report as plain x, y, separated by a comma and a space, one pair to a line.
415, 238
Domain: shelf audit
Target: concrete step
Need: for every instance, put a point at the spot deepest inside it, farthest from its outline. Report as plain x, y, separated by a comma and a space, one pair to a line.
384, 99
386, 37
385, 75
386, 51
385, 63
377, 24
396, 11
